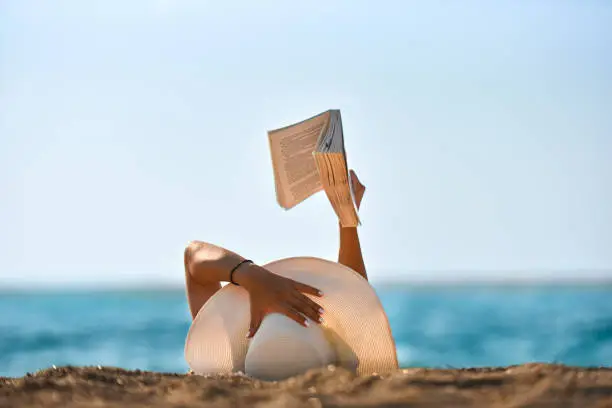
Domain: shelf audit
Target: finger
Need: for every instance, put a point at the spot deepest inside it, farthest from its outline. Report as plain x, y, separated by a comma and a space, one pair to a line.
305, 309
307, 302
293, 314
302, 287
256, 319
355, 179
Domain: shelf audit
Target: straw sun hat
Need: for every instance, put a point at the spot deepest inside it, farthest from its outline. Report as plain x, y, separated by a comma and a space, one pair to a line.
355, 334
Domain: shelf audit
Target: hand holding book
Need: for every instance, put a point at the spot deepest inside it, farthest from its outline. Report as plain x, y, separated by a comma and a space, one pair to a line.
308, 157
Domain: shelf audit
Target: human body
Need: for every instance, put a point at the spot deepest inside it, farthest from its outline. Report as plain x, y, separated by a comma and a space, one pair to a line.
207, 265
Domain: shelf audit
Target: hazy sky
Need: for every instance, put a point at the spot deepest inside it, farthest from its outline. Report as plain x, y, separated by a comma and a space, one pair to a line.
483, 131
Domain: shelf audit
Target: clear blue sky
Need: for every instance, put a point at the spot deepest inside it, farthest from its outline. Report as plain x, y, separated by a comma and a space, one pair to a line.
483, 131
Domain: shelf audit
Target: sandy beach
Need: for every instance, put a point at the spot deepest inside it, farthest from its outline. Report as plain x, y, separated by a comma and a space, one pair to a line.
531, 385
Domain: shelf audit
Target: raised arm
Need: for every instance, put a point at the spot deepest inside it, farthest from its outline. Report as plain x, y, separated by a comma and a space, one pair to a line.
349, 253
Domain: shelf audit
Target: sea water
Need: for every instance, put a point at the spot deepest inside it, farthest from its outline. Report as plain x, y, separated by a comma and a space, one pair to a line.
433, 326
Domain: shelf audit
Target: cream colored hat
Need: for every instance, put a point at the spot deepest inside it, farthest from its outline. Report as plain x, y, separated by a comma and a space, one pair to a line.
355, 335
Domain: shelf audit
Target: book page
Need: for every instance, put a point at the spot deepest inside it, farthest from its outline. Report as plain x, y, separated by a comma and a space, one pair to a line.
335, 179
295, 172
333, 138
348, 209
333, 168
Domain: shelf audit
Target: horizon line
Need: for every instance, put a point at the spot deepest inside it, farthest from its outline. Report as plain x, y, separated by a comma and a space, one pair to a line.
381, 282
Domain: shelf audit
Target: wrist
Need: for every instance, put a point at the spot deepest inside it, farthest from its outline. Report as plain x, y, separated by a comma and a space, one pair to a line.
343, 228
347, 229
235, 268
245, 273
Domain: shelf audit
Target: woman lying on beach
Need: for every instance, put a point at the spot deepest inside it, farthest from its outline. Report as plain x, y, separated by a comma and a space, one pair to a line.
207, 265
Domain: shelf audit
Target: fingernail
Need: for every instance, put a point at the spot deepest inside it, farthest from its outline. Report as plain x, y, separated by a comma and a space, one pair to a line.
248, 335
306, 323
320, 293
321, 310
321, 319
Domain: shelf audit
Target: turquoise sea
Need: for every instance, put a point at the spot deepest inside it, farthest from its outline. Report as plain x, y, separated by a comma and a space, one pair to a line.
433, 326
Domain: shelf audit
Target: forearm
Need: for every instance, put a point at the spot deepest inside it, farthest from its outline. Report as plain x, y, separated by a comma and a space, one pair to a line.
207, 265
349, 253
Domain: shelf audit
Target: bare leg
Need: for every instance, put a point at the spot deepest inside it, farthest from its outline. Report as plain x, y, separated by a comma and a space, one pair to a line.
349, 253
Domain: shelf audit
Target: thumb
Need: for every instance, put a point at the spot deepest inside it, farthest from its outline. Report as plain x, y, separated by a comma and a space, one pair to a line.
256, 319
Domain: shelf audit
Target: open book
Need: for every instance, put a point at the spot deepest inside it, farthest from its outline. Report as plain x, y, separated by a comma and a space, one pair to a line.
308, 157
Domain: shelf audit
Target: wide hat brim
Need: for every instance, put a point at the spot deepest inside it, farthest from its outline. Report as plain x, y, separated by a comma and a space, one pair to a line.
217, 343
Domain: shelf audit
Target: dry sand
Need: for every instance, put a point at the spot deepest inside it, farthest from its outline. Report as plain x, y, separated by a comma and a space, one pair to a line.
532, 385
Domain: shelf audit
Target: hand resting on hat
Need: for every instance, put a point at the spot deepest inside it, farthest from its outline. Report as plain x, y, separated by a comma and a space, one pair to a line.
271, 293
206, 265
